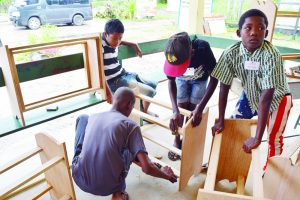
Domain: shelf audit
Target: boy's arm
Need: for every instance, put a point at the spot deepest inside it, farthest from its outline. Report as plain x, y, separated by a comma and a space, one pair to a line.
150, 168
109, 95
176, 114
134, 45
219, 126
197, 112
265, 100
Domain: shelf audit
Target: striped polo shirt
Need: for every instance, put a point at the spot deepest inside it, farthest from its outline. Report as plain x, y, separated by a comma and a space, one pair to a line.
112, 68
268, 73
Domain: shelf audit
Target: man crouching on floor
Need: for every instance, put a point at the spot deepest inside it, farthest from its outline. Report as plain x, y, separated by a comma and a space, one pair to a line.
105, 146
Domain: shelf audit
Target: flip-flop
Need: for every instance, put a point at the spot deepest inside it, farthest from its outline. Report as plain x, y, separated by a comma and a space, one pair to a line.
173, 156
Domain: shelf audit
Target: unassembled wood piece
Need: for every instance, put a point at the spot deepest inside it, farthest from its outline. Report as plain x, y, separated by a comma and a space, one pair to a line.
192, 144
282, 178
229, 161
55, 167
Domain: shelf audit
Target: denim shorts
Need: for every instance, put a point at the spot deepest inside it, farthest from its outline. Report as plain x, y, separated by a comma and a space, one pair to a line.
191, 91
133, 80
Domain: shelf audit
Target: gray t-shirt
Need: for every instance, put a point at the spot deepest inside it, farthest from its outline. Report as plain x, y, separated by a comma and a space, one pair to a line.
101, 167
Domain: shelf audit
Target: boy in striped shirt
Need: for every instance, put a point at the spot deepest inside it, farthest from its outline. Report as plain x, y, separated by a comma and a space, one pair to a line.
259, 66
115, 75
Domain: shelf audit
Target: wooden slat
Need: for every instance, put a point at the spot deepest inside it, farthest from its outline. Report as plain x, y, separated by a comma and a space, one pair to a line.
213, 163
215, 195
258, 190
290, 56
240, 185
25, 187
162, 104
59, 98
53, 43
19, 160
46, 47
162, 143
293, 14
30, 176
154, 120
46, 189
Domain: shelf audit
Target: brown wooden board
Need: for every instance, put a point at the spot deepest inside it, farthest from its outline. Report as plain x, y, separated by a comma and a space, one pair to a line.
282, 179
59, 176
192, 150
233, 161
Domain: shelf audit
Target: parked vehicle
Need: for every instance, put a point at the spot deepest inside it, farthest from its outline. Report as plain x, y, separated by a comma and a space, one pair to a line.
34, 13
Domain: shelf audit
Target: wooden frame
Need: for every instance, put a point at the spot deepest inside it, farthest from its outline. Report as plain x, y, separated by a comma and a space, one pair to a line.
192, 143
229, 161
55, 167
93, 65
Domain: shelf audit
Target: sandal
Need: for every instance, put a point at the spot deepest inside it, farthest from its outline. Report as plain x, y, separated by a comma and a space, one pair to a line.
173, 156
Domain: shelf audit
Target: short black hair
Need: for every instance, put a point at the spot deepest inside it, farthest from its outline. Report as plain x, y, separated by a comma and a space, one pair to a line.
114, 26
251, 13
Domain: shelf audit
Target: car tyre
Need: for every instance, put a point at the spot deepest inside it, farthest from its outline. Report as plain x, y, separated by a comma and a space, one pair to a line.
78, 20
34, 23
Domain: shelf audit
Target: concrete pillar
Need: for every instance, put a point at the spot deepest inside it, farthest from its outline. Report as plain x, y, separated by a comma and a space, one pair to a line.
191, 13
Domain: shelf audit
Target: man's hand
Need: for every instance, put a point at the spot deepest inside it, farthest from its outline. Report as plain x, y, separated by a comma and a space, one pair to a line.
138, 50
169, 172
175, 121
218, 127
251, 143
196, 117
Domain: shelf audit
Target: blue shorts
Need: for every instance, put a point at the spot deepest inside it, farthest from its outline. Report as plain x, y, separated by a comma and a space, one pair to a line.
243, 109
191, 91
132, 80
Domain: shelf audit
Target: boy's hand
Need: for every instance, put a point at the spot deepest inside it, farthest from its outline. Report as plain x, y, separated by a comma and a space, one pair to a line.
138, 50
196, 117
169, 172
218, 127
174, 122
251, 143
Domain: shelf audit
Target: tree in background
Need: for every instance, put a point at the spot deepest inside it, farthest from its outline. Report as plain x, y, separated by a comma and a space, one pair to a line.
4, 4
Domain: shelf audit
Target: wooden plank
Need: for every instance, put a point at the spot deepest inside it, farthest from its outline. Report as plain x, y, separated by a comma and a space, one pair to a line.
42, 47
46, 189
293, 14
193, 143
55, 160
154, 120
58, 176
20, 159
282, 179
235, 132
215, 195
58, 98
162, 143
213, 163
12, 84
240, 185
258, 190
290, 56
53, 43
26, 186
162, 104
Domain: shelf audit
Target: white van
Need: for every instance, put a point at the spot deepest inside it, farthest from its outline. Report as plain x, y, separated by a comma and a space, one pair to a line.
34, 13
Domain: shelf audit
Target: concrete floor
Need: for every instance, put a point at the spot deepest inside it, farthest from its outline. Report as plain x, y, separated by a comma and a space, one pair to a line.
139, 185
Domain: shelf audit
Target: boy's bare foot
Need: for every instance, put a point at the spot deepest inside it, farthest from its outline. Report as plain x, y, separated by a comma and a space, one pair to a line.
120, 196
